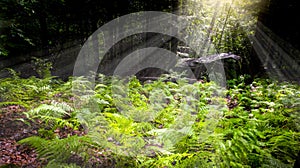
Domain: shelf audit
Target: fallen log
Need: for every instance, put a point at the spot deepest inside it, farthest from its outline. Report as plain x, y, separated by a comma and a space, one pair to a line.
197, 65
196, 62
171, 79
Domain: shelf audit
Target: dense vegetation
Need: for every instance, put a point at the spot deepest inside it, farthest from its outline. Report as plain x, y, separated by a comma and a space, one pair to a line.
170, 122
190, 125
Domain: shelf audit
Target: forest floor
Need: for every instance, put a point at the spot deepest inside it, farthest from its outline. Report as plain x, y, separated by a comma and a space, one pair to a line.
12, 129
262, 116
14, 126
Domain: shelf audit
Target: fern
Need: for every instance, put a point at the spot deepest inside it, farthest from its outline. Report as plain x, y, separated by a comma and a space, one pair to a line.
275, 163
4, 104
197, 160
161, 123
57, 114
284, 146
237, 149
61, 165
14, 74
59, 150
26, 90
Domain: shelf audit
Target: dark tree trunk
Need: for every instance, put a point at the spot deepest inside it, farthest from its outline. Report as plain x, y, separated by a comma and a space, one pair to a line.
43, 31
42, 19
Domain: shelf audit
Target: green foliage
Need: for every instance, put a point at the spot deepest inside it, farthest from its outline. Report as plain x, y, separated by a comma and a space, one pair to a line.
59, 150
27, 91
161, 124
42, 67
4, 104
224, 26
61, 165
55, 115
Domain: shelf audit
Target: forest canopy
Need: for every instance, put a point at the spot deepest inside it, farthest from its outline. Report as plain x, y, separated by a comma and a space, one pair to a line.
38, 24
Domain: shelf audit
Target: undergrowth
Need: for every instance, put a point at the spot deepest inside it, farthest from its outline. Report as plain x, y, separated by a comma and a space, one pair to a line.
160, 124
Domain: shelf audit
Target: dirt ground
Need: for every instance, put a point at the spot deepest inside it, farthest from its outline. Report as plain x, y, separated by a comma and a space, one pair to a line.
12, 129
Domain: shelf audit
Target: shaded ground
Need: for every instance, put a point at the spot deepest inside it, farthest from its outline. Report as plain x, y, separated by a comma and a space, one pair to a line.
12, 130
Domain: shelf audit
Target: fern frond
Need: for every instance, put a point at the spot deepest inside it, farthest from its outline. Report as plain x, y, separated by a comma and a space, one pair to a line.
54, 114
58, 149
61, 165
4, 104
58, 122
275, 163
55, 109
48, 110
63, 105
